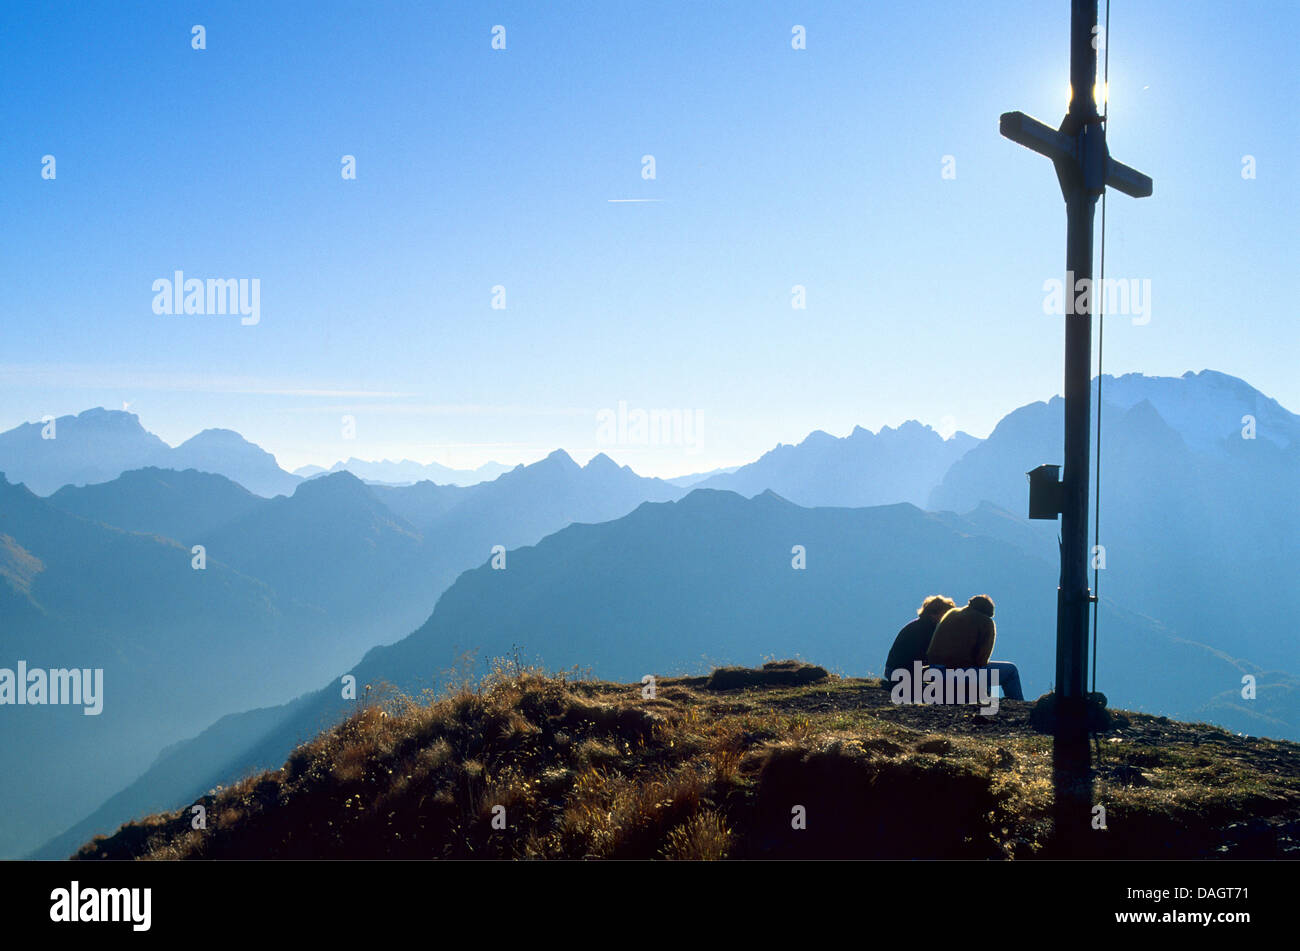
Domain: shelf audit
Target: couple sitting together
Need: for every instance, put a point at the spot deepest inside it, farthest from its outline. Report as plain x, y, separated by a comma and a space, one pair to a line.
946, 636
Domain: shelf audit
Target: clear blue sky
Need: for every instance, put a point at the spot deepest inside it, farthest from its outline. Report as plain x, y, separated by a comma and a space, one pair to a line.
477, 167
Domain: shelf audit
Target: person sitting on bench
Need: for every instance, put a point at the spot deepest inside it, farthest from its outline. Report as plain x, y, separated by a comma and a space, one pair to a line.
911, 642
964, 639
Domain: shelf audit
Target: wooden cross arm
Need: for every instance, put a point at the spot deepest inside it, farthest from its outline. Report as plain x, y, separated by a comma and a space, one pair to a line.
1127, 180
1063, 149
1032, 134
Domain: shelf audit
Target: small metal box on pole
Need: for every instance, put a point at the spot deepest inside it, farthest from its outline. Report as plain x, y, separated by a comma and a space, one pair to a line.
1045, 491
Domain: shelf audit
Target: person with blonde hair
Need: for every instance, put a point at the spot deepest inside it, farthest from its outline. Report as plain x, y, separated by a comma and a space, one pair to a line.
912, 641
964, 638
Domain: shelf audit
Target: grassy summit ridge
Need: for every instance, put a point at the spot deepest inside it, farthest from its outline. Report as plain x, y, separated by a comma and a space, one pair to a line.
713, 768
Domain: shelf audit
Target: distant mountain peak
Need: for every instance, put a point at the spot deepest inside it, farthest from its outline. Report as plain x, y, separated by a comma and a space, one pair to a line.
219, 437
407, 471
101, 444
563, 458
1215, 376
330, 484
109, 420
818, 437
705, 497
215, 432
910, 430
99, 412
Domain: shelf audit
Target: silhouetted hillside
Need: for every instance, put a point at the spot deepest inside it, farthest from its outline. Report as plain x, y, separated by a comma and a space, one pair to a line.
184, 506
528, 766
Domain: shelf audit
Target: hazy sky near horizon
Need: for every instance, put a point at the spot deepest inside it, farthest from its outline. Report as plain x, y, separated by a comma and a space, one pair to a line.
476, 167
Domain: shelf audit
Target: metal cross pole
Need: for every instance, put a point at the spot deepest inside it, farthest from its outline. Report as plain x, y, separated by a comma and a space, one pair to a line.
1084, 168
